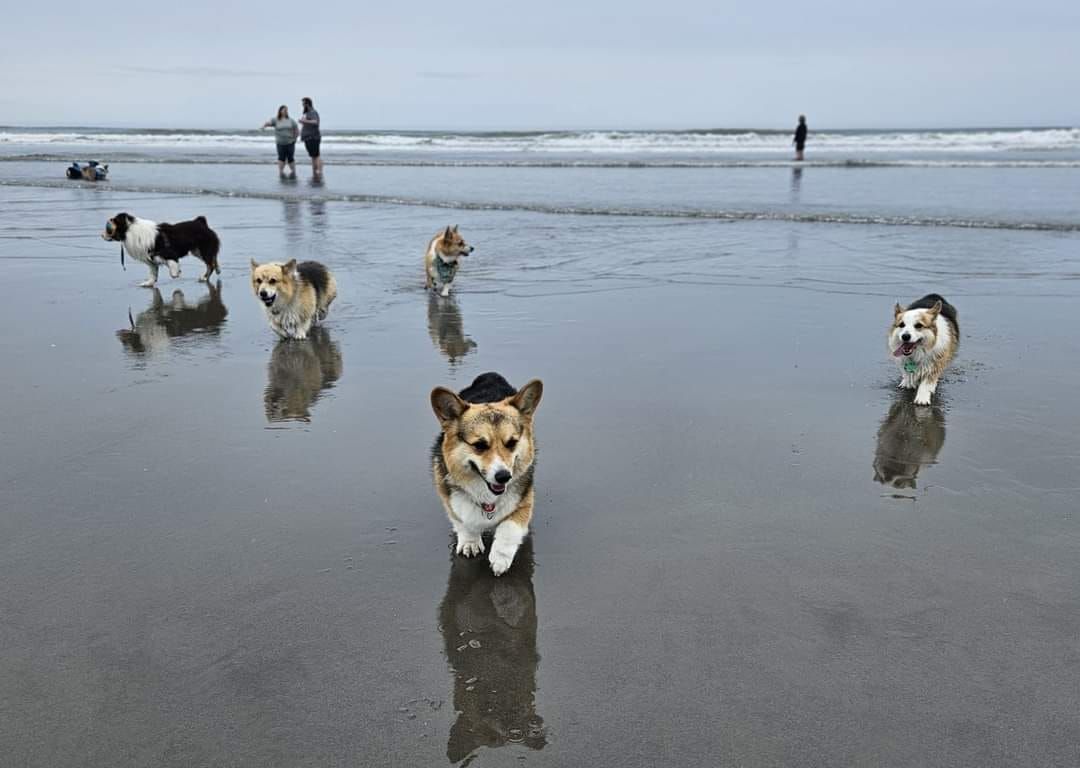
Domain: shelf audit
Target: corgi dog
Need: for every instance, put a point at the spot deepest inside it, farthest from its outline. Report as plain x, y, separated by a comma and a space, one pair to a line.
156, 244
923, 341
295, 296
441, 259
482, 464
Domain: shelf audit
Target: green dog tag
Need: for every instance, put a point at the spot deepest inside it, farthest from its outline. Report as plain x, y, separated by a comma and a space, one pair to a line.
910, 366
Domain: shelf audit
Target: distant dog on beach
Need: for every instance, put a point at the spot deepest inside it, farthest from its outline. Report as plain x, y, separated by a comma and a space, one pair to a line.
441, 259
909, 439
482, 463
155, 244
923, 341
295, 296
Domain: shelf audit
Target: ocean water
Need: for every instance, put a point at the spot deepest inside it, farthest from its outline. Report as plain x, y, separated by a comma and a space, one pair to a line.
748, 549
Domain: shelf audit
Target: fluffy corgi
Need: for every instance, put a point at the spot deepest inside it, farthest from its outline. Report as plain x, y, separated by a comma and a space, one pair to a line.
923, 341
156, 244
482, 463
295, 296
441, 259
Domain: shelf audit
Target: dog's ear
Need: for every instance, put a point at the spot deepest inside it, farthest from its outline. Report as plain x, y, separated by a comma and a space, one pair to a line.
448, 406
289, 267
455, 228
897, 310
448, 233
528, 397
935, 310
254, 265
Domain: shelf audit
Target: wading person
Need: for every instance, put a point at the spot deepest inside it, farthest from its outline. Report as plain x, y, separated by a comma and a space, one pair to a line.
800, 138
310, 135
285, 133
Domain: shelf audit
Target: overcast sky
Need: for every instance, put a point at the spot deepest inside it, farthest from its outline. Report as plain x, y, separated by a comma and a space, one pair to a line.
552, 64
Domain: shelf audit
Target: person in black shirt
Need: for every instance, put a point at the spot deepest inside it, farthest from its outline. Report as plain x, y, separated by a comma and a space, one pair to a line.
311, 135
800, 138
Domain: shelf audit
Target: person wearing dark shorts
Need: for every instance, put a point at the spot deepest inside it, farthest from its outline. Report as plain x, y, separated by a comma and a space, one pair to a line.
311, 135
800, 137
285, 133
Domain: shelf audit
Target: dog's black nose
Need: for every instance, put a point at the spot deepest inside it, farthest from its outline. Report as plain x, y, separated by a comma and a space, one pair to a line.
502, 477
262, 294
905, 337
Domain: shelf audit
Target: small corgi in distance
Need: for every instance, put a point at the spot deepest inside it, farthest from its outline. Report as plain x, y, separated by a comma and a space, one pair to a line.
482, 464
441, 259
923, 341
295, 296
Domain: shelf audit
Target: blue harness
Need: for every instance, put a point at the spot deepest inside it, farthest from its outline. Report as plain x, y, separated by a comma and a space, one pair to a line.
445, 271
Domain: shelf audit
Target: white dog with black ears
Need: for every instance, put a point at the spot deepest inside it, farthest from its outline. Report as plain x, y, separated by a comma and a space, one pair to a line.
923, 341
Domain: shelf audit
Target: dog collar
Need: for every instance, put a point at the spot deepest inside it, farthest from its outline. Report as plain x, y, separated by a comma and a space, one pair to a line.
910, 365
489, 509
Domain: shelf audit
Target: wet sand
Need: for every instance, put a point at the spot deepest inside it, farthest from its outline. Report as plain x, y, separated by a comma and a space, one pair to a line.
219, 550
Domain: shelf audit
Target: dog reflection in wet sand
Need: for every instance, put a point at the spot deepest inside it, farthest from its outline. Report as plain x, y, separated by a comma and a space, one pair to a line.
488, 625
298, 373
910, 438
152, 328
446, 329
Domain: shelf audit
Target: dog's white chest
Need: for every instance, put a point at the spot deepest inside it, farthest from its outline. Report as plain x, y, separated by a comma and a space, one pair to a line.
474, 517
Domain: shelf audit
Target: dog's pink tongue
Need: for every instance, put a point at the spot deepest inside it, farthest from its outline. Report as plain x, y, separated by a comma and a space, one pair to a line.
899, 352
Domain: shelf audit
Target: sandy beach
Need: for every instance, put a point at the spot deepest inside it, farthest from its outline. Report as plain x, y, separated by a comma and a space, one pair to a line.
218, 549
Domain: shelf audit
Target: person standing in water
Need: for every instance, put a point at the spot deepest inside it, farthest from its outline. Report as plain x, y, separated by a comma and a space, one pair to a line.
285, 133
311, 135
800, 138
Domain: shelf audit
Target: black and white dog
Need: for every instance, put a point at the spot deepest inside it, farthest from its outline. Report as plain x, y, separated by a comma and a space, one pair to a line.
155, 244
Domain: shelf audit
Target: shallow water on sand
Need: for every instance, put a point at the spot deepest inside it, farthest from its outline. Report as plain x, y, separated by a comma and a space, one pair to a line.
747, 550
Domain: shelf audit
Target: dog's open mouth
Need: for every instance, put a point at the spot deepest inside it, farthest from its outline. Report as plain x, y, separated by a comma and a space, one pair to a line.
267, 300
497, 488
905, 349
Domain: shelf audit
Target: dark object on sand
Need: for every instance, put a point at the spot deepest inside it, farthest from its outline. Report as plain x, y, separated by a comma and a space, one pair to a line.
92, 171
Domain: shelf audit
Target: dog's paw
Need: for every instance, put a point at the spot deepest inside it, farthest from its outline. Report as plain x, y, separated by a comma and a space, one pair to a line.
500, 562
922, 398
445, 292
147, 283
204, 279
470, 547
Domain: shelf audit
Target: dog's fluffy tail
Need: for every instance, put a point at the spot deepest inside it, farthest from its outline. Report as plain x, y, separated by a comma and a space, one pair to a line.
215, 246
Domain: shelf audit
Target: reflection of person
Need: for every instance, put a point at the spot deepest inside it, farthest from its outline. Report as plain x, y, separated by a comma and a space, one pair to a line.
800, 137
488, 624
909, 439
311, 135
285, 133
